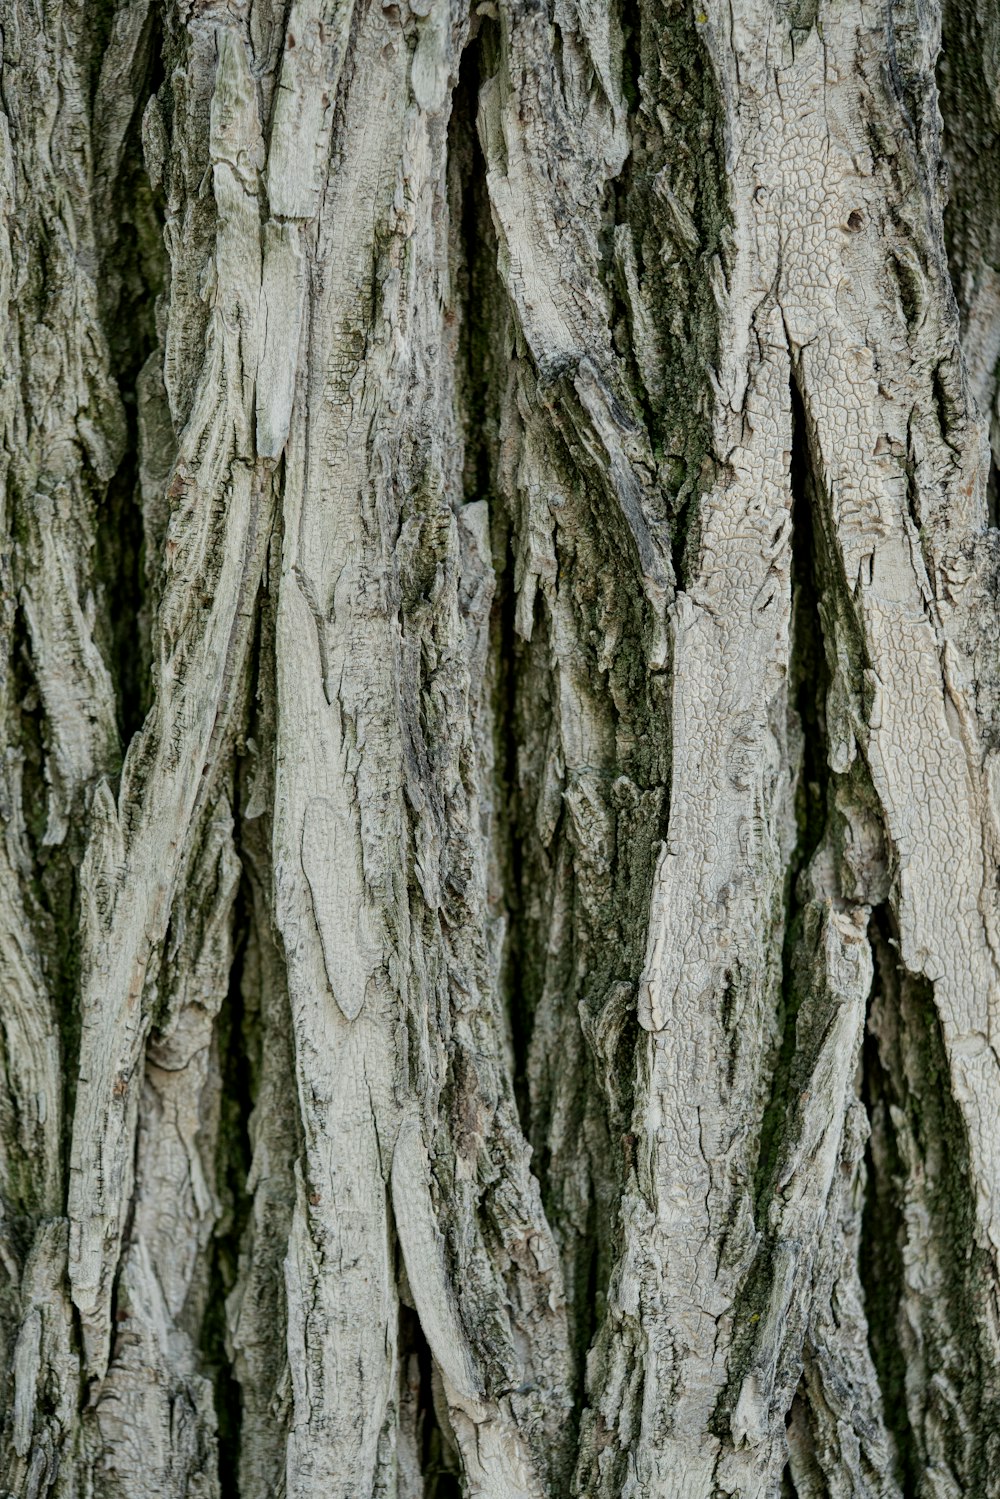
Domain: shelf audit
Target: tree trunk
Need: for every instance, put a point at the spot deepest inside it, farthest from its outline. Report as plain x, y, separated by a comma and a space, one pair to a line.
500, 696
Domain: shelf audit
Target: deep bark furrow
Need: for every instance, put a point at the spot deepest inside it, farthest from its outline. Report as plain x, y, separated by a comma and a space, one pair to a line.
970, 38
933, 1298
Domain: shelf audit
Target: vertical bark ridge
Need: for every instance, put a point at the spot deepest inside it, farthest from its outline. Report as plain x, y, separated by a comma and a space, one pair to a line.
800, 1355
817, 344
63, 437
885, 512
587, 520
155, 1381
382, 611
213, 557
914, 650
709, 981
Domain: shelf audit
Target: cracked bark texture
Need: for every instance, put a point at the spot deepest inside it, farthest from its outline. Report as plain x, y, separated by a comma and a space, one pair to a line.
500, 700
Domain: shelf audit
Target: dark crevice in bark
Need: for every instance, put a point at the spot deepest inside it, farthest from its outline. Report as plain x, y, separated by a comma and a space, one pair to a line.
119, 562
46, 903
132, 274
673, 198
808, 678
630, 20
546, 854
266, 1129
590, 1311
929, 1291
238, 1045
577, 843
234, 1042
993, 495
439, 1465
917, 1167
910, 287
29, 734
64, 984
809, 755
883, 1233
479, 294
801, 1441
482, 309
234, 1158
53, 898
946, 396
970, 112
808, 673
481, 306
620, 192
684, 525
478, 289
520, 999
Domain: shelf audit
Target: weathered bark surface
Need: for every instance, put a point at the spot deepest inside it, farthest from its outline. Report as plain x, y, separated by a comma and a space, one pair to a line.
500, 697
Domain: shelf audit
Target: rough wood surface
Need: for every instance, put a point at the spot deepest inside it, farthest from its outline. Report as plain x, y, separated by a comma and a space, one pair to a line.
500, 712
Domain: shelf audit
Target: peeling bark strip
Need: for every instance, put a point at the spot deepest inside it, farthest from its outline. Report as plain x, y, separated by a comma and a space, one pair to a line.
499, 934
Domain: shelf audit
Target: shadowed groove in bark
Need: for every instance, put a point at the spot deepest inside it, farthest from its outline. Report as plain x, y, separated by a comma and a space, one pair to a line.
678, 215
30, 733
52, 905
579, 891
120, 548
50, 900
993, 496
128, 275
593, 819
520, 980
256, 1311
234, 1157
621, 191
970, 110
49, 497
519, 673
808, 681
132, 276
921, 1275
484, 317
480, 295
438, 1460
930, 1302
883, 1237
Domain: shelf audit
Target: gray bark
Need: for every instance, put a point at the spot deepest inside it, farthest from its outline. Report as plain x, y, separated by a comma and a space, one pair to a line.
500, 701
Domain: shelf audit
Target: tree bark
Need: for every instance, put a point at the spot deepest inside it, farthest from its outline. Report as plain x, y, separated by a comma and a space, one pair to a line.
500, 697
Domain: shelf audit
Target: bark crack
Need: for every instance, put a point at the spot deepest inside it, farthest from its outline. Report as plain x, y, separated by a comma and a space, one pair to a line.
808, 686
